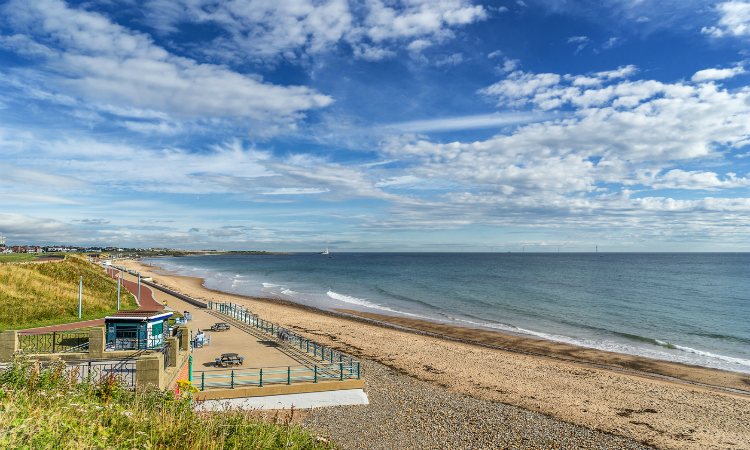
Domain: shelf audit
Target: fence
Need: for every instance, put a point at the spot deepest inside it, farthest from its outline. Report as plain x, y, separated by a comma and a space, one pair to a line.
283, 334
136, 340
124, 370
231, 379
165, 352
55, 342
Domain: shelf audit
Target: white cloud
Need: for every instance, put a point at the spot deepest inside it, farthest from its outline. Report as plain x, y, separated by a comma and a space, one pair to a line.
577, 39
560, 172
91, 164
467, 122
509, 65
495, 54
452, 60
717, 74
39, 198
621, 72
264, 30
734, 20
611, 42
680, 179
19, 227
107, 62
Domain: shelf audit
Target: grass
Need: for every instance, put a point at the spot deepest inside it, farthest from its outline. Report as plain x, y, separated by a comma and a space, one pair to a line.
46, 407
43, 294
17, 257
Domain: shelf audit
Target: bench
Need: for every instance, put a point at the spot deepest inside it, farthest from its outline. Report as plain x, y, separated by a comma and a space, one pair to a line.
220, 327
229, 359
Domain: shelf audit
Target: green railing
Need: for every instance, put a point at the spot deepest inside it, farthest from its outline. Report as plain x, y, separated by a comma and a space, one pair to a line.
326, 354
262, 376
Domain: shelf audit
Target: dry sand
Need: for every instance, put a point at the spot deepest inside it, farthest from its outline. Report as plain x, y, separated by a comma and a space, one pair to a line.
663, 413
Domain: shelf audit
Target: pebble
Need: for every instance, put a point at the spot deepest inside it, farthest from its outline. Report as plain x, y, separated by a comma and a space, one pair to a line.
406, 413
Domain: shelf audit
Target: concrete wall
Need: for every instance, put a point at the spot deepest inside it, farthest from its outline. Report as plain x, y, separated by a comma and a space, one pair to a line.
149, 369
277, 389
8, 344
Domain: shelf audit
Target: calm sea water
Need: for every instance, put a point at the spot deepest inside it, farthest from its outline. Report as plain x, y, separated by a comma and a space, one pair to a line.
691, 308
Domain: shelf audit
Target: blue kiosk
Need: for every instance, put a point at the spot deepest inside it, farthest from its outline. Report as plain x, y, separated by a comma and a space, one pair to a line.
137, 330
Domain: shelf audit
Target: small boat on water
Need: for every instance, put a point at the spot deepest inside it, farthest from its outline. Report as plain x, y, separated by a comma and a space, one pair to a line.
325, 252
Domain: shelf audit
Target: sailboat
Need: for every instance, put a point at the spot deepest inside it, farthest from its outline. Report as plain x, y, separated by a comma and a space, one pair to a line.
325, 252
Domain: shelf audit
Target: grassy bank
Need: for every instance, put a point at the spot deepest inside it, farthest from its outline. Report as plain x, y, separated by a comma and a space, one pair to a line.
42, 294
48, 409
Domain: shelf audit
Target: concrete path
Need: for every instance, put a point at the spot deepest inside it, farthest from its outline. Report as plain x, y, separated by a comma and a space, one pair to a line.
308, 400
258, 349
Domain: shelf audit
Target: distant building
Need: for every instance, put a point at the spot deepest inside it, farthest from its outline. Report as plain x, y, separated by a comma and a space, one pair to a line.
2, 241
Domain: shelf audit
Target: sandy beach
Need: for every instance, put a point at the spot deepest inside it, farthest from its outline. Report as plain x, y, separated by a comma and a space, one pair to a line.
656, 411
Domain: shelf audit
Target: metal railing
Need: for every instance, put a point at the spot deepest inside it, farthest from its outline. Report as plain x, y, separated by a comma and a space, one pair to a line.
96, 370
135, 340
55, 342
262, 376
165, 352
284, 335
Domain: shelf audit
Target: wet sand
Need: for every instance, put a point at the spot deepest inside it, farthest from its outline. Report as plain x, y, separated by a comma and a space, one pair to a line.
656, 411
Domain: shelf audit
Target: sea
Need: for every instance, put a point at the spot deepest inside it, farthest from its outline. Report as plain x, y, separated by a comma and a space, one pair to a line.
690, 308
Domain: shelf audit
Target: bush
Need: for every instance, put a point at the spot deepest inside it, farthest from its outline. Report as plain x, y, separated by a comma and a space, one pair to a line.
47, 406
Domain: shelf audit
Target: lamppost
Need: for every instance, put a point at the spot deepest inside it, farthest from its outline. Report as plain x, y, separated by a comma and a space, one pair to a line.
119, 281
80, 291
139, 288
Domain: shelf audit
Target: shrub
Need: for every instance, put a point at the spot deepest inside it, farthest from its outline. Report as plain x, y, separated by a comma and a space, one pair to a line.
46, 405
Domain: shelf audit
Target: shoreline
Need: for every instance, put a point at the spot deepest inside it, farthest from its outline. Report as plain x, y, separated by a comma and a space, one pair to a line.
656, 411
640, 365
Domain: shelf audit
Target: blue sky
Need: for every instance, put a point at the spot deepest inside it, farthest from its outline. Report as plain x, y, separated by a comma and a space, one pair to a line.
402, 125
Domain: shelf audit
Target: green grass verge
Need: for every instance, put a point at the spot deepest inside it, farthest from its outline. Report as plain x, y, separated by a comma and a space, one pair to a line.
44, 294
48, 409
17, 257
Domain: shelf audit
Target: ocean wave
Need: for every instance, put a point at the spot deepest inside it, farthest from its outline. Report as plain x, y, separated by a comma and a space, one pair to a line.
368, 304
355, 301
729, 359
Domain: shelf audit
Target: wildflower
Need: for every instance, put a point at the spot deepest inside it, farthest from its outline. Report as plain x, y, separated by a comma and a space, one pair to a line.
127, 413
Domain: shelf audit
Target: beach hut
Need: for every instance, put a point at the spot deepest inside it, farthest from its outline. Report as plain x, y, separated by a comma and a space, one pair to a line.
137, 330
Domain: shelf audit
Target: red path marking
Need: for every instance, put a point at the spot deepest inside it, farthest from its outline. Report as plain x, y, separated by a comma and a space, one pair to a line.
148, 303
67, 326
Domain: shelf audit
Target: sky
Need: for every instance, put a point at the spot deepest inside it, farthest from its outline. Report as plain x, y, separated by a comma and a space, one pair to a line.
376, 125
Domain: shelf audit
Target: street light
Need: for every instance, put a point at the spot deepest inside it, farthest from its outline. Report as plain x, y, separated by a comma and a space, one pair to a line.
118, 291
80, 291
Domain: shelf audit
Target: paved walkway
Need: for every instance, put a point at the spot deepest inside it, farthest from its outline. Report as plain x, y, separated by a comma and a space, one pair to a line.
259, 349
64, 327
148, 301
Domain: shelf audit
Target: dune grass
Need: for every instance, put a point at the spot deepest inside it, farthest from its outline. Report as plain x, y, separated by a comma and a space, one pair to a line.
45, 407
42, 294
